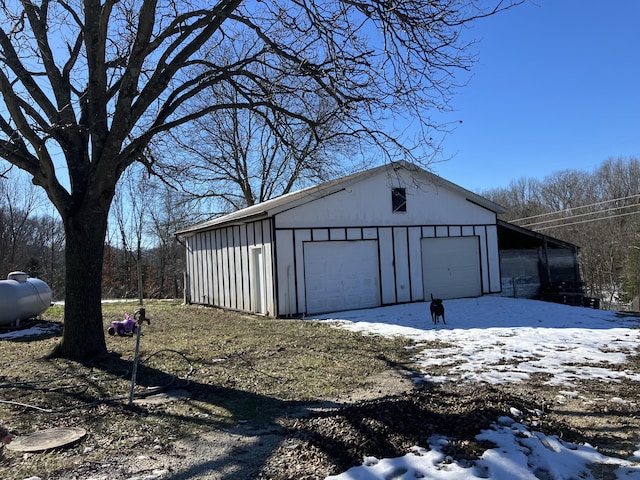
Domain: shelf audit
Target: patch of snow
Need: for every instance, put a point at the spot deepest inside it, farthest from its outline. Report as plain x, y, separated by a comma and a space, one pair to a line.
42, 329
502, 340
519, 453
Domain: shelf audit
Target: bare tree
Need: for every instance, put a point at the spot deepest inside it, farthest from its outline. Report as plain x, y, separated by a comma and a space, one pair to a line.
522, 198
169, 213
87, 84
244, 157
19, 200
240, 157
565, 190
130, 209
611, 240
49, 243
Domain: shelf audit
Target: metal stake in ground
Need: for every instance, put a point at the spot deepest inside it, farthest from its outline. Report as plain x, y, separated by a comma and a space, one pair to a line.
140, 316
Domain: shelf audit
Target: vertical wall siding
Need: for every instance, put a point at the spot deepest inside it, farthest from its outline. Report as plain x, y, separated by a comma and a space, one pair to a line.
207, 286
245, 267
415, 268
188, 242
299, 237
493, 256
220, 268
386, 262
234, 266
399, 259
286, 276
401, 263
481, 232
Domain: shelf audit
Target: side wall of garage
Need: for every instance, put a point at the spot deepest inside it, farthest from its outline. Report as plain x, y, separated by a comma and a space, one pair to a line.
232, 267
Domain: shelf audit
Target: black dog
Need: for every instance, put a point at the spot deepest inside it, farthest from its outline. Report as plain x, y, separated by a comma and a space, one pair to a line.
437, 310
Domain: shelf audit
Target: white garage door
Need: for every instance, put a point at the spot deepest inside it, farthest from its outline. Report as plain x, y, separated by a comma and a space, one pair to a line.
451, 267
341, 275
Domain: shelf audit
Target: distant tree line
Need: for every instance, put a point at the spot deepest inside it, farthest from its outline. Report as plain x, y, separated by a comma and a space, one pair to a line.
29, 241
141, 252
598, 211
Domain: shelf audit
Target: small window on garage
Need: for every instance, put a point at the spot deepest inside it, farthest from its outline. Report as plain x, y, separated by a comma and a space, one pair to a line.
399, 200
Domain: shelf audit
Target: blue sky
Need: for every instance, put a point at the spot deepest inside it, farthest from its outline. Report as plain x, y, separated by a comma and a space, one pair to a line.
556, 86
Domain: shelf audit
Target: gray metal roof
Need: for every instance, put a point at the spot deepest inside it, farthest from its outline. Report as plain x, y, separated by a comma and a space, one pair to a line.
274, 206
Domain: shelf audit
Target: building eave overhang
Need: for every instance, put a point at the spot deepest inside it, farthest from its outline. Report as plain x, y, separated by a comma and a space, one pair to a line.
537, 235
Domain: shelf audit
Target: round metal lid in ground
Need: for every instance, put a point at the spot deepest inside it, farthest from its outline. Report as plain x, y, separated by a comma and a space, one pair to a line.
46, 439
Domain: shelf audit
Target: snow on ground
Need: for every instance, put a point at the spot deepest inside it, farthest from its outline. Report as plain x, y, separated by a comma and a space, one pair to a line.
502, 340
40, 329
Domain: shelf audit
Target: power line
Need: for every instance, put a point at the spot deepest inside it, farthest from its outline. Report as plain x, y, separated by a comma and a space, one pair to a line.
569, 224
612, 209
576, 208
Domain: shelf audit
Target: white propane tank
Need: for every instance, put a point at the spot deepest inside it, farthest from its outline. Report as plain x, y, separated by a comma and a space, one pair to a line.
22, 297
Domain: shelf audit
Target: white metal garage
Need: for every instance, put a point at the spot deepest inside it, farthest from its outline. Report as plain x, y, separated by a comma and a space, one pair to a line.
451, 267
392, 234
341, 275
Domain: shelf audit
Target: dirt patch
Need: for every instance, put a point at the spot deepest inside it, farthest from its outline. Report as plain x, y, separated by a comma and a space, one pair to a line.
330, 442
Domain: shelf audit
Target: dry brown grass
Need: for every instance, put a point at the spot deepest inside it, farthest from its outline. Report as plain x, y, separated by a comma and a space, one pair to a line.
235, 367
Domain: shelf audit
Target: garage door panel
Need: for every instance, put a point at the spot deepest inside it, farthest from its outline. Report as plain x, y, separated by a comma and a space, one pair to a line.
341, 275
451, 267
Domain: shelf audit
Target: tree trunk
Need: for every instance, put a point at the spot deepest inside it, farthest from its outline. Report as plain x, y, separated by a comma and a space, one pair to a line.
83, 334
